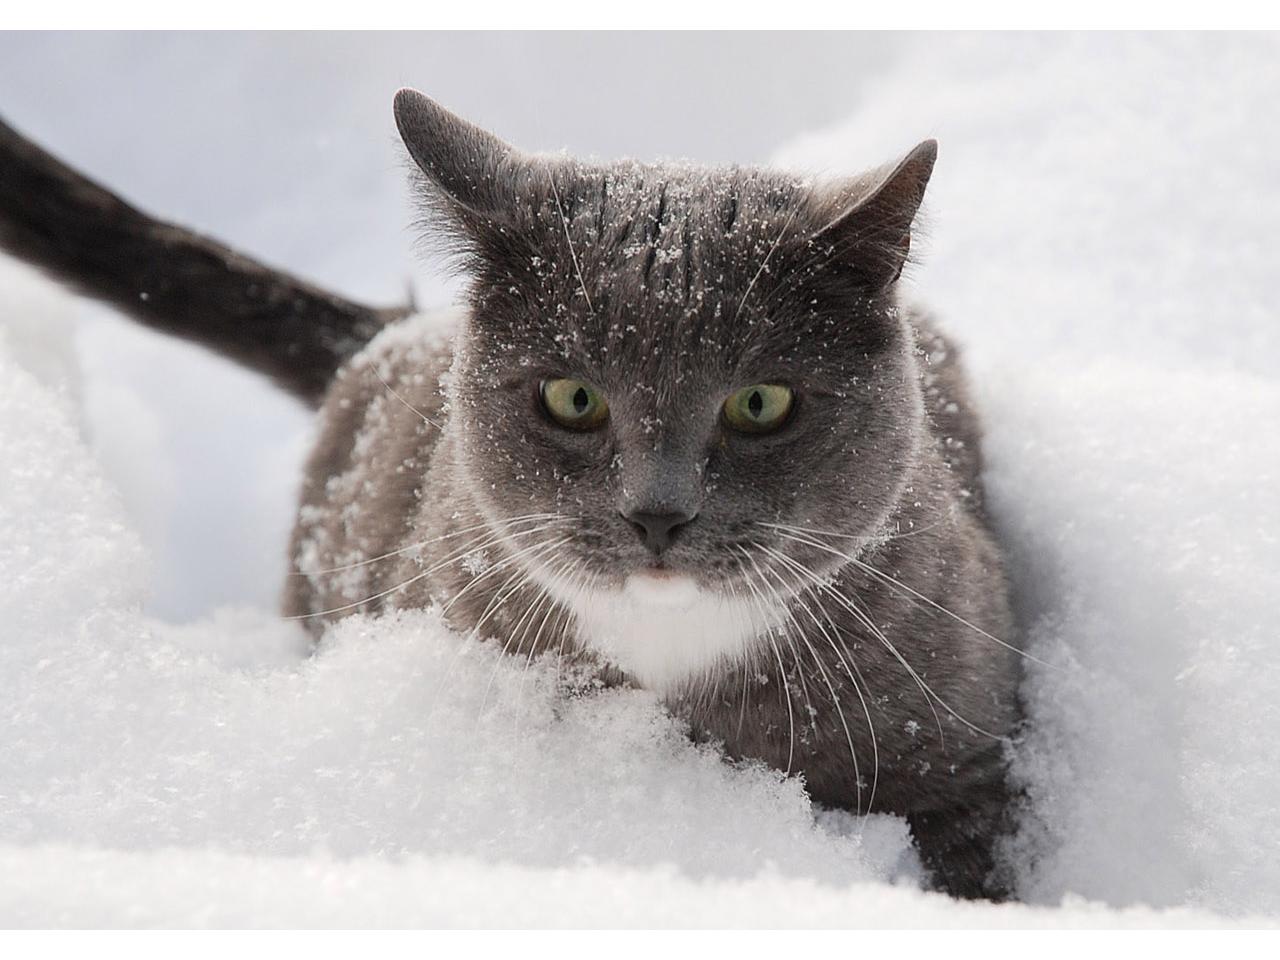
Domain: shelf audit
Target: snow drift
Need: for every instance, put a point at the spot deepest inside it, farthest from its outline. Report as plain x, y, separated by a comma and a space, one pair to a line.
1104, 246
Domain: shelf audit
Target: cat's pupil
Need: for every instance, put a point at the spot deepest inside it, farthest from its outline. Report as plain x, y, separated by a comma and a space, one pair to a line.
755, 403
580, 400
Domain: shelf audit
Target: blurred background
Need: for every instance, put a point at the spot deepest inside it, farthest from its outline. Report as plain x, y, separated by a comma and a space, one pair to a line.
283, 146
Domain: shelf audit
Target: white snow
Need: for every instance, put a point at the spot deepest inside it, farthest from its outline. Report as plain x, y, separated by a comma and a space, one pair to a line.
1103, 244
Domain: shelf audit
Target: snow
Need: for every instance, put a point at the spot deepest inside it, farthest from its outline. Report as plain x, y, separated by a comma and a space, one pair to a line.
61, 886
1102, 243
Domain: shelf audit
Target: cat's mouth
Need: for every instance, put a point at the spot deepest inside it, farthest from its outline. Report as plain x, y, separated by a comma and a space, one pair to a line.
656, 571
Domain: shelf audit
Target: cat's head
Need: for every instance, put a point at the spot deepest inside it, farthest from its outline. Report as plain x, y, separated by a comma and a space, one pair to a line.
692, 366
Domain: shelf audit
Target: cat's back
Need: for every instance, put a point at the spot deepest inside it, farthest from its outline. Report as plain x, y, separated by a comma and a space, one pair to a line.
949, 406
378, 430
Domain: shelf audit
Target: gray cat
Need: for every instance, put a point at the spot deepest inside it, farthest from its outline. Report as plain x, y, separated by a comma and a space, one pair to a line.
683, 433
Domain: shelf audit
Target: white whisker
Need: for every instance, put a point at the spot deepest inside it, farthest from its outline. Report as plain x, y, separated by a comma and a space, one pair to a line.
835, 698
765, 262
863, 565
782, 673
573, 255
849, 663
425, 419
423, 543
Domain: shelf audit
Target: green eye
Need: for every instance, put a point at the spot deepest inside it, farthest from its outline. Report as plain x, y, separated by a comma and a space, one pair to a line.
574, 404
759, 408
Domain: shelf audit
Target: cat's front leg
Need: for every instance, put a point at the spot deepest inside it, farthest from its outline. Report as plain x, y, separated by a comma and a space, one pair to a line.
958, 845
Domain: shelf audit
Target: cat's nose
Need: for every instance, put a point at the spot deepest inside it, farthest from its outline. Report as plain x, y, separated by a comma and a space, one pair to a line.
657, 528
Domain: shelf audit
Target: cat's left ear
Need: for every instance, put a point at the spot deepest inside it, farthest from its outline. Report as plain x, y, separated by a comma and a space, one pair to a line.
866, 224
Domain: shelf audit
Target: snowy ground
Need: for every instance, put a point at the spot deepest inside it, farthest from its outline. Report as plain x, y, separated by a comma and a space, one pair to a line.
1103, 242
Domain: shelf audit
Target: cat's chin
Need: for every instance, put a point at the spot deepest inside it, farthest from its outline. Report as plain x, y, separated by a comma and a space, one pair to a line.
662, 627
663, 588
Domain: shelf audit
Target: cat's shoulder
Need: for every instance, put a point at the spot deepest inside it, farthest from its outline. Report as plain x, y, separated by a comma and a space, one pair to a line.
389, 398
403, 358
416, 339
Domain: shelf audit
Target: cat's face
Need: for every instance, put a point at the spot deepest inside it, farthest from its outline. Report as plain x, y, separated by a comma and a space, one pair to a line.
685, 366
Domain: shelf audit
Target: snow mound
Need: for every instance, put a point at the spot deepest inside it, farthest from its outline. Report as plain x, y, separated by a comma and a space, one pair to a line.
62, 886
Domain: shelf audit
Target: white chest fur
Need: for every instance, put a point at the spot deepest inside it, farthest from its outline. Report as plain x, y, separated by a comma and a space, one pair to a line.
666, 631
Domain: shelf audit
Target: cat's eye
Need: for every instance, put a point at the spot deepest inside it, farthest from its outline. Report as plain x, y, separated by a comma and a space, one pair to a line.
574, 404
760, 408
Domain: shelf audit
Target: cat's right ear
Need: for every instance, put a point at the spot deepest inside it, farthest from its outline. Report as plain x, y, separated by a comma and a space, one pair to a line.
471, 175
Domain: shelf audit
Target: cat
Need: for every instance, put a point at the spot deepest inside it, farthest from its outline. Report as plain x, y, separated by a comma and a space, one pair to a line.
682, 431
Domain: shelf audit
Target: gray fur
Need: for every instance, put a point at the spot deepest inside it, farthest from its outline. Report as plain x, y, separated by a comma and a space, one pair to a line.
669, 287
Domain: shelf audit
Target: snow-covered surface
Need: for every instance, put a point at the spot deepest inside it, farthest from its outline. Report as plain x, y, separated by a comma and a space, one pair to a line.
1103, 243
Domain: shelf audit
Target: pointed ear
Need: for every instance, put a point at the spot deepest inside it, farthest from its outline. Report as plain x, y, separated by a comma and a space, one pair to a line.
471, 170
867, 223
